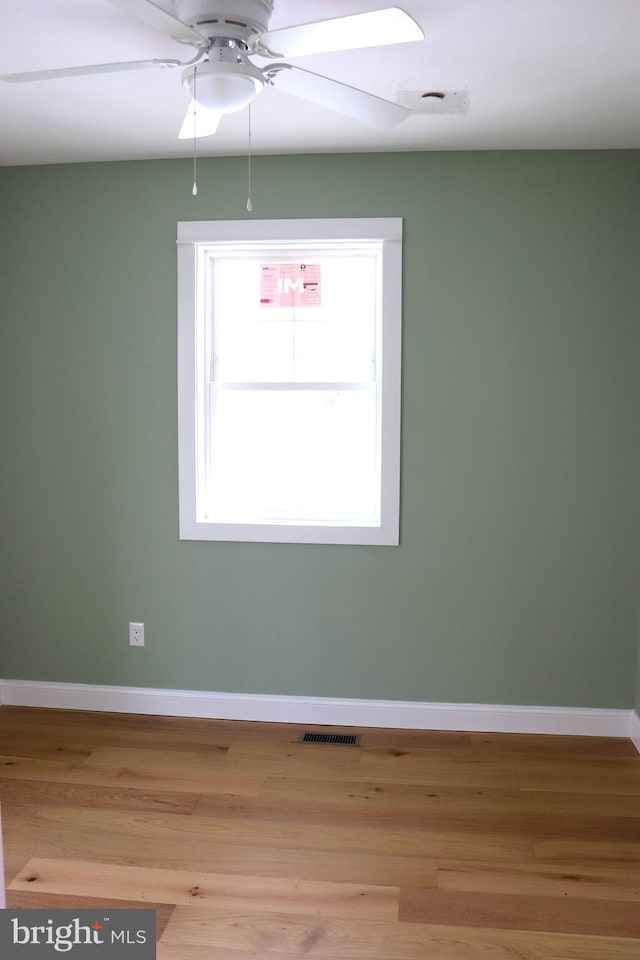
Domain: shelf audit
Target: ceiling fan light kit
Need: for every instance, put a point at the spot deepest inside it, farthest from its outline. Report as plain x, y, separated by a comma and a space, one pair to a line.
222, 79
225, 83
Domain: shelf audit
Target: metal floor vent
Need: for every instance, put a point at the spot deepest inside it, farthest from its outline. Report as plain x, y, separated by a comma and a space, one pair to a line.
343, 739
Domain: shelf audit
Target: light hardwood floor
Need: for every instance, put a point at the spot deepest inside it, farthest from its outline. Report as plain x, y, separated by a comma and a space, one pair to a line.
252, 846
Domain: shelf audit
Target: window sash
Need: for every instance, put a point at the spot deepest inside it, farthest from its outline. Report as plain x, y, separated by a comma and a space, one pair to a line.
292, 456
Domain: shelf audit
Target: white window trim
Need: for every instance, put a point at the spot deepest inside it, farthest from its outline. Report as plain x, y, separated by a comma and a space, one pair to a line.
191, 235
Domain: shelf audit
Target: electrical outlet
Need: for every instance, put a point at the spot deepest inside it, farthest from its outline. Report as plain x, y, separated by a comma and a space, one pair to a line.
136, 634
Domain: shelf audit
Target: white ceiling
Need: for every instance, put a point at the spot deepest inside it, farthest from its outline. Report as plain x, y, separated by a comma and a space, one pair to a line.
540, 74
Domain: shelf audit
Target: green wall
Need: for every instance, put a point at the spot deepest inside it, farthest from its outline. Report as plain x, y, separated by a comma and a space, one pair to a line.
517, 577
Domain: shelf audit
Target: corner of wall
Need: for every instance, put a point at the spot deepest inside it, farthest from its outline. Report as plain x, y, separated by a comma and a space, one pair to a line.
634, 732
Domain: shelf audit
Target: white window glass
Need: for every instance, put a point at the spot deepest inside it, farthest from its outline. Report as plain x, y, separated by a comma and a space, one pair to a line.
289, 354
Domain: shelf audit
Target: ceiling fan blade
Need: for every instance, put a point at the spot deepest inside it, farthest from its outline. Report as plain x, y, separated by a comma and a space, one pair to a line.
374, 29
158, 18
340, 97
199, 122
62, 72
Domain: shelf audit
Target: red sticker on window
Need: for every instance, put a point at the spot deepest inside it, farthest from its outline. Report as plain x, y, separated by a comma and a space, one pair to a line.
290, 285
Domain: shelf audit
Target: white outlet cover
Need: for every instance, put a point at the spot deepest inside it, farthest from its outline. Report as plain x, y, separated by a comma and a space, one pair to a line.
136, 634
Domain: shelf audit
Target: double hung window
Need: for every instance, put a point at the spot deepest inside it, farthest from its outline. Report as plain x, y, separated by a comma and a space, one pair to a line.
289, 380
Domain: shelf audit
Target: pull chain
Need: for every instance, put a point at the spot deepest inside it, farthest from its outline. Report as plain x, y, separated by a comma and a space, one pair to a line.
194, 189
249, 203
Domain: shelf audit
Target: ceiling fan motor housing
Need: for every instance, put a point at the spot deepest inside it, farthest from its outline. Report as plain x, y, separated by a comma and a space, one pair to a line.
236, 19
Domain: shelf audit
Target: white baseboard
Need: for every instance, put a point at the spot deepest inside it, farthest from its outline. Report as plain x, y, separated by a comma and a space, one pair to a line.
399, 714
634, 729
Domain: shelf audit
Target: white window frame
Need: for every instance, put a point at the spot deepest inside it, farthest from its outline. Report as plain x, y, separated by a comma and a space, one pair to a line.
193, 237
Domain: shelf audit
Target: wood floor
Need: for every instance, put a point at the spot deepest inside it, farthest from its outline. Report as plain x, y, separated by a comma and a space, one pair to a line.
252, 846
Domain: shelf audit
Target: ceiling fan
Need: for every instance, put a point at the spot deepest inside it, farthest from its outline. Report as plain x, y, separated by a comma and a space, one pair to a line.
227, 34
